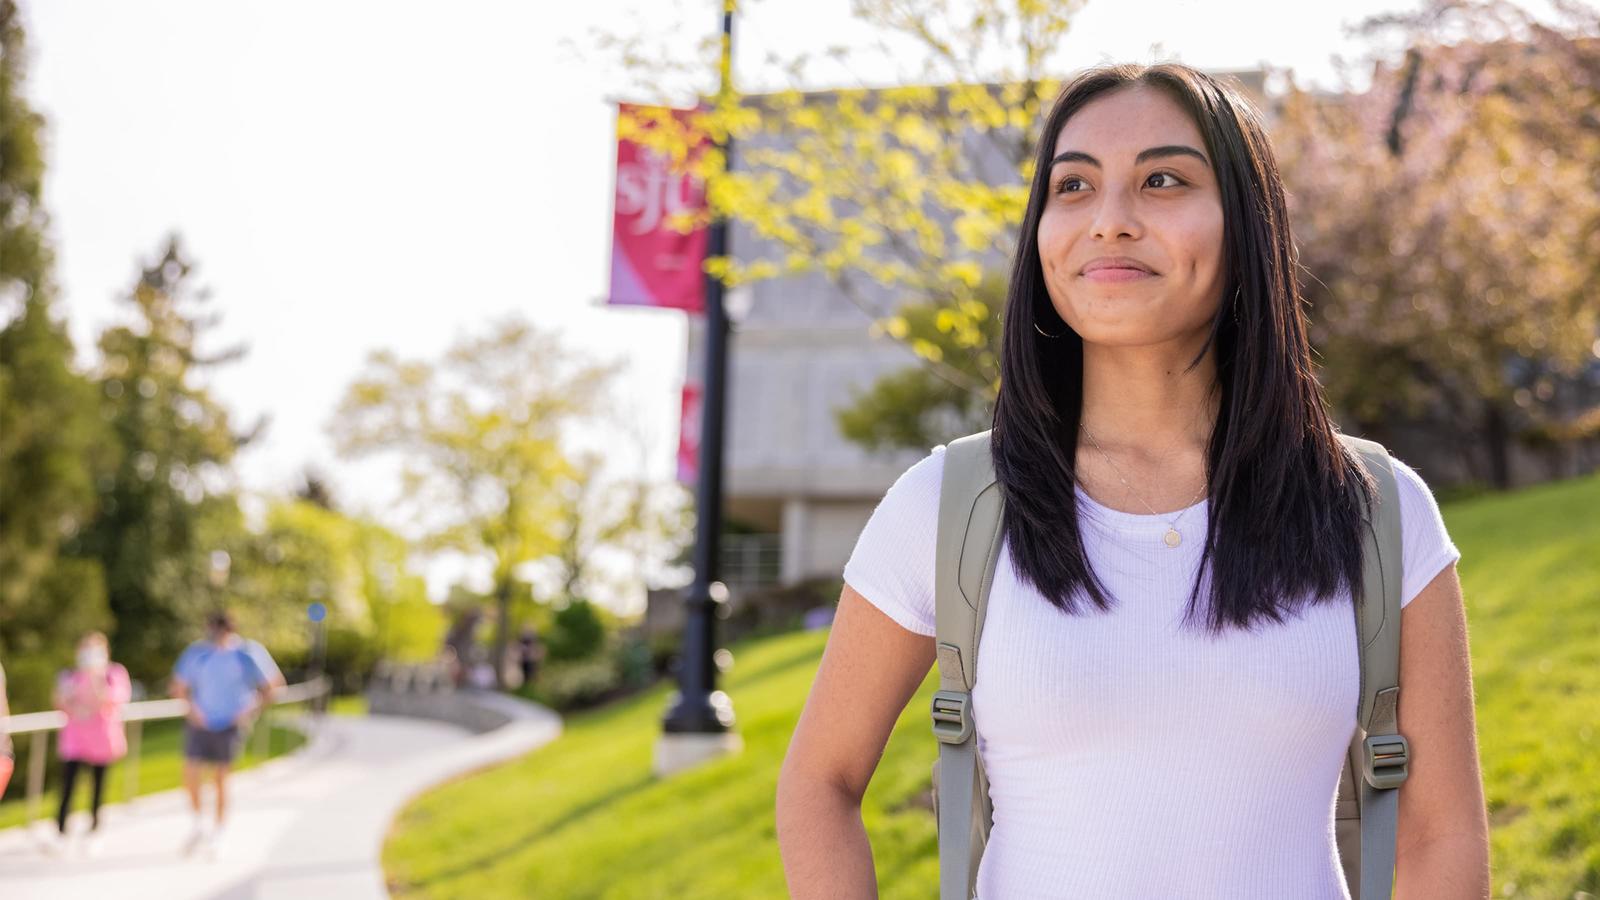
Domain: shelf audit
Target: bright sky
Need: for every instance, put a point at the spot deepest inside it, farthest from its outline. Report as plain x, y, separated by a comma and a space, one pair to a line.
356, 175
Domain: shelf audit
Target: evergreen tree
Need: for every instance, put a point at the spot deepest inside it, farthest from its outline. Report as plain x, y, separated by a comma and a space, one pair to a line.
51, 439
163, 503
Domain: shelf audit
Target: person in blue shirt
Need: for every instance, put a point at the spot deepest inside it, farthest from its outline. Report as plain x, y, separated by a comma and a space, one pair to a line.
227, 679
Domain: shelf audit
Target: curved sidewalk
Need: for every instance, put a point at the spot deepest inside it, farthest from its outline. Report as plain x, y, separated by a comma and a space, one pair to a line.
307, 826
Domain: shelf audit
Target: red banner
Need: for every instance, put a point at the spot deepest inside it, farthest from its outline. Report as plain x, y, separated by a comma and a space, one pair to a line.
689, 435
652, 263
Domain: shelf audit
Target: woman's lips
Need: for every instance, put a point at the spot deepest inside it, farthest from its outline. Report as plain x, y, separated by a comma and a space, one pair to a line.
1112, 273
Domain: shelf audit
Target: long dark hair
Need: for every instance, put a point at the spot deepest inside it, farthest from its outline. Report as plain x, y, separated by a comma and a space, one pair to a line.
1285, 495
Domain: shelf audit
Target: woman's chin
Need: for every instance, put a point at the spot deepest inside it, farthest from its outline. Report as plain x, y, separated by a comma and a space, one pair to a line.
1136, 319
1135, 331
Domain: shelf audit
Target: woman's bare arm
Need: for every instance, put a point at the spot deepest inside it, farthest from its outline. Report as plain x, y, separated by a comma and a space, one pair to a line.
870, 670
1442, 848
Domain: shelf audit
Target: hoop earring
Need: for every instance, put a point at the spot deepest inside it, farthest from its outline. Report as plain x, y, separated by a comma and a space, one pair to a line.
1043, 332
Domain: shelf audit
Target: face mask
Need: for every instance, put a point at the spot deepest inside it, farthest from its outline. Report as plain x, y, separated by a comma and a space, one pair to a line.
92, 659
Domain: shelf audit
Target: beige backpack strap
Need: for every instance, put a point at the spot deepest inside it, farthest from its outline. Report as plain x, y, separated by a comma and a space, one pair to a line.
968, 547
1367, 810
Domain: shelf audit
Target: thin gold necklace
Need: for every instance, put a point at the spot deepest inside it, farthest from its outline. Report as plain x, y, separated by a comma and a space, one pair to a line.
1173, 537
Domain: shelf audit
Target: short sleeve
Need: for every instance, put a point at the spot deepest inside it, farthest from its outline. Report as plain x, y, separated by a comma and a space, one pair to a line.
892, 564
181, 669
265, 667
120, 685
1426, 547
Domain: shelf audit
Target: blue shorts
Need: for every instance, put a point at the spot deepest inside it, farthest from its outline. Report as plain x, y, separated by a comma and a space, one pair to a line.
204, 745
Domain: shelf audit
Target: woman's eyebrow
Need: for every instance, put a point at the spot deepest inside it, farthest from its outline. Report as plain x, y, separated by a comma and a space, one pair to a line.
1151, 153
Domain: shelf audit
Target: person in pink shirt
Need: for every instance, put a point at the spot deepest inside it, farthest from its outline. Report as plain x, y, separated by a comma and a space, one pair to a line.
92, 695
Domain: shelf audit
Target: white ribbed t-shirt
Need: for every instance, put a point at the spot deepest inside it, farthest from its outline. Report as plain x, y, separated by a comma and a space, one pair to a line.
1127, 758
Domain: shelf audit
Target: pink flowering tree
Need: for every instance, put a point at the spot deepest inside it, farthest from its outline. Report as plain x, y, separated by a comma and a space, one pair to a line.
1449, 225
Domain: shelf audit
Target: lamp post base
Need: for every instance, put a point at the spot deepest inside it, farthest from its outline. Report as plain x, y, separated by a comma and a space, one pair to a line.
676, 751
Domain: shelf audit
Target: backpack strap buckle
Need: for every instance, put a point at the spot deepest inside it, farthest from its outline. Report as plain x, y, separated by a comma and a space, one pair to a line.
1385, 759
952, 716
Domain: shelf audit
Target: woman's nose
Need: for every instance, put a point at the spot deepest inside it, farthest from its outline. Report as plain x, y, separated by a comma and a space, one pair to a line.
1115, 217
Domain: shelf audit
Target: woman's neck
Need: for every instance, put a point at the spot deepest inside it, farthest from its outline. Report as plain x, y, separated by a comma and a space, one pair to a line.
1140, 400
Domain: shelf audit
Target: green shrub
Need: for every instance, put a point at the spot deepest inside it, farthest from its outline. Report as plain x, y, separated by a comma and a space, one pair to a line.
576, 632
575, 684
622, 667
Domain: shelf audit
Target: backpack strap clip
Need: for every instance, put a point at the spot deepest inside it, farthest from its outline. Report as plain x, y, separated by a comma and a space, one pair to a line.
1385, 754
1384, 760
952, 716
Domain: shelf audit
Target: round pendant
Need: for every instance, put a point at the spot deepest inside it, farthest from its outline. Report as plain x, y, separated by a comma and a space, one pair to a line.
1173, 538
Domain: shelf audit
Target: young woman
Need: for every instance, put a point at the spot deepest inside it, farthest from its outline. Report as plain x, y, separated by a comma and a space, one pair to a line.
92, 695
1167, 684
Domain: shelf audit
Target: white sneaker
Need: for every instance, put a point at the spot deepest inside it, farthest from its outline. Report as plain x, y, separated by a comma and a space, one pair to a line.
212, 845
51, 842
197, 837
91, 844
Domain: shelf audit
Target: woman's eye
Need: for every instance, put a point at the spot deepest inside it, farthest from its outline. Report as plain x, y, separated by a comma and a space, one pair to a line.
1065, 187
1175, 181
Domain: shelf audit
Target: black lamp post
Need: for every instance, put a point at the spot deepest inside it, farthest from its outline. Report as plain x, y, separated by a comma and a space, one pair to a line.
699, 708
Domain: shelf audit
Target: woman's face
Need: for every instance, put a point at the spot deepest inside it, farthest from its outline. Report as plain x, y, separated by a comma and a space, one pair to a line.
91, 651
1131, 179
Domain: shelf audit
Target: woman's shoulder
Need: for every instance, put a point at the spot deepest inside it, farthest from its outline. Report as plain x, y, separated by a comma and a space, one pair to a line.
1425, 540
915, 492
1416, 498
892, 563
926, 472
1408, 477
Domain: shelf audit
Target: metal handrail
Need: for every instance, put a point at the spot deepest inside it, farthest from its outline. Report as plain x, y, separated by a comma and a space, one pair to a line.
752, 560
146, 710
40, 725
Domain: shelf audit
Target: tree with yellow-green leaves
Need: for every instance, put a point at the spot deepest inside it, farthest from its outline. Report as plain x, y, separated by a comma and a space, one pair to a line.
479, 434
633, 520
916, 408
302, 552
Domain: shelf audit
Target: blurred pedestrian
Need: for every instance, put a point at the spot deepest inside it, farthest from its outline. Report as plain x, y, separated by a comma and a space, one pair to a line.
227, 680
529, 653
92, 694
462, 641
480, 674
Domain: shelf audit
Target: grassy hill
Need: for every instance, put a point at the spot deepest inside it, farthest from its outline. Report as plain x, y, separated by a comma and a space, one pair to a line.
584, 817
1530, 571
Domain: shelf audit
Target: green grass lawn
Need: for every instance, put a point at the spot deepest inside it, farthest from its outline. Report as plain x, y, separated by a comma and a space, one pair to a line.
348, 705
160, 769
584, 818
1530, 570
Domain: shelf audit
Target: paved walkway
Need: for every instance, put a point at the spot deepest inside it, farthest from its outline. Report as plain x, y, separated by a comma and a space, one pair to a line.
305, 827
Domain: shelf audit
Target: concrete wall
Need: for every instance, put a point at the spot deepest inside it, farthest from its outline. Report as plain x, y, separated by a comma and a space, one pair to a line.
818, 535
454, 707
